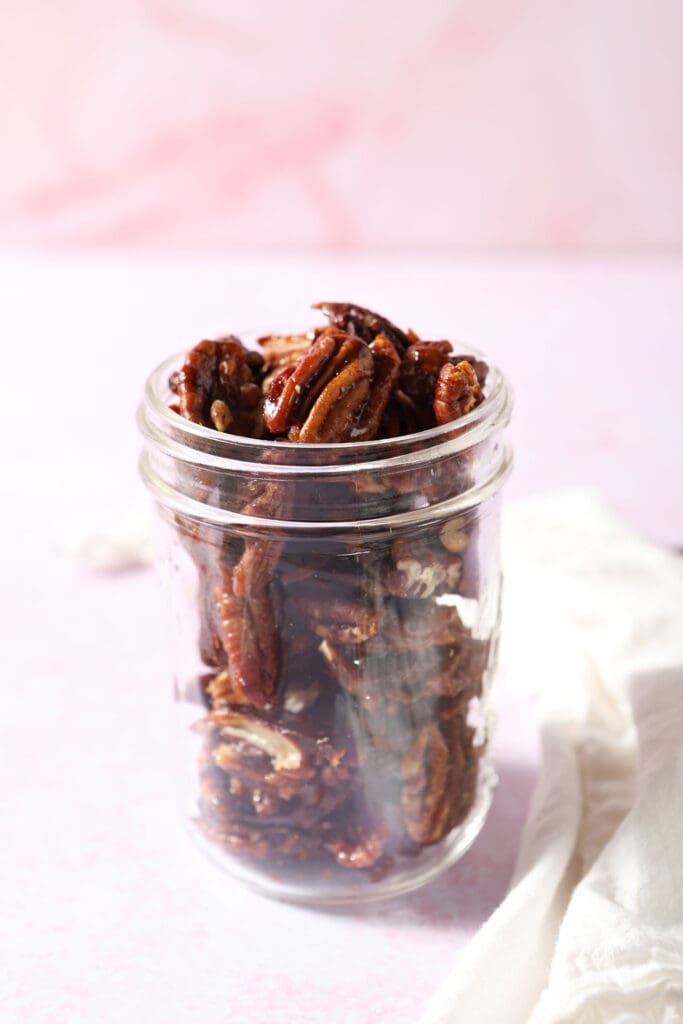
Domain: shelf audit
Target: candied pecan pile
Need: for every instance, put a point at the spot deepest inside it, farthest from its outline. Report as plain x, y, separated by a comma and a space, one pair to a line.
357, 379
338, 680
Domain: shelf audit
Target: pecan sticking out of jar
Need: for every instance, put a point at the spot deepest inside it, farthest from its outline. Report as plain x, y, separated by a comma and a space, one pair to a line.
296, 388
334, 416
215, 387
386, 370
280, 350
480, 368
420, 369
457, 392
364, 323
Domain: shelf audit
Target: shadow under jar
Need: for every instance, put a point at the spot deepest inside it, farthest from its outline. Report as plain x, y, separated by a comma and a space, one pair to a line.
334, 615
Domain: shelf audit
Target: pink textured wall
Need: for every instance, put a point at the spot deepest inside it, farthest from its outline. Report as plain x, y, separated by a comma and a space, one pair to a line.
438, 125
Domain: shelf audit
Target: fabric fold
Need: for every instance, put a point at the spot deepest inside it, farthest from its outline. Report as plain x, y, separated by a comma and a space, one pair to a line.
592, 927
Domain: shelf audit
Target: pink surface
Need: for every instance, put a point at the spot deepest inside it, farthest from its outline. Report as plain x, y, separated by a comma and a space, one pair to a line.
107, 912
212, 124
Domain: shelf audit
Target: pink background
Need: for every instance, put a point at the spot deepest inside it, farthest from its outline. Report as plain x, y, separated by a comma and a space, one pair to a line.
474, 124
443, 162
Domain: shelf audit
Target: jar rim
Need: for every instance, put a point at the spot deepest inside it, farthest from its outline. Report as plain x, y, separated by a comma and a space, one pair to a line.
203, 446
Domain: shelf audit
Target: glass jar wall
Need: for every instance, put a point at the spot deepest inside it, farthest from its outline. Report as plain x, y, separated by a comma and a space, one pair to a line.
334, 615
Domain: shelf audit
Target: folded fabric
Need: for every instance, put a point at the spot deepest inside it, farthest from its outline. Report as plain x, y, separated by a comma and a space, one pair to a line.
592, 927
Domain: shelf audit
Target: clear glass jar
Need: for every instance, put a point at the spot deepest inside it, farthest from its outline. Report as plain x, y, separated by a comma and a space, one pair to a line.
334, 615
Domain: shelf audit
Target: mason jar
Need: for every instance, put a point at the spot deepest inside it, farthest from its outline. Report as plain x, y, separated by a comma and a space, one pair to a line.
333, 615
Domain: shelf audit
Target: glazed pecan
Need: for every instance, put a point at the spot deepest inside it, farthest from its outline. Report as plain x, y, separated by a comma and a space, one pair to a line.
480, 368
425, 777
216, 388
335, 414
419, 570
420, 368
281, 350
284, 349
363, 322
338, 619
256, 567
457, 392
385, 374
287, 755
250, 638
402, 416
295, 389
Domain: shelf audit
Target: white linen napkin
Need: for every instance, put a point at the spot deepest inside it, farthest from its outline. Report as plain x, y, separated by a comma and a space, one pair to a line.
592, 927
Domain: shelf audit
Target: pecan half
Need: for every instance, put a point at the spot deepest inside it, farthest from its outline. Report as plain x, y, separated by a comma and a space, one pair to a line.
295, 389
424, 797
292, 386
281, 350
249, 633
463, 765
284, 752
385, 374
363, 322
256, 567
334, 416
480, 368
215, 387
457, 392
